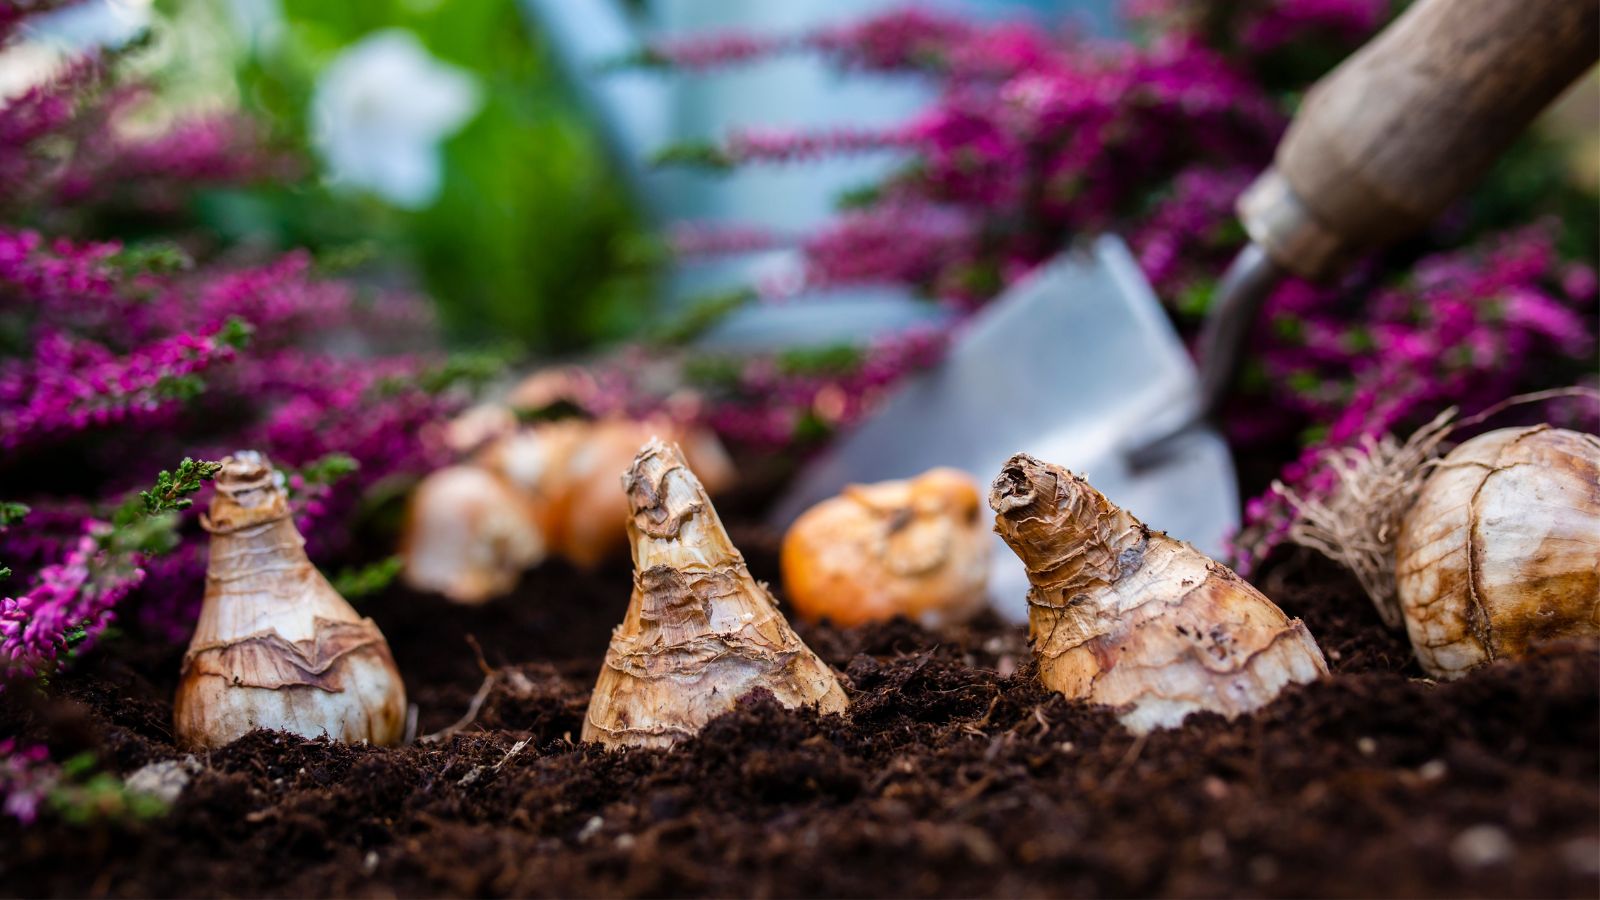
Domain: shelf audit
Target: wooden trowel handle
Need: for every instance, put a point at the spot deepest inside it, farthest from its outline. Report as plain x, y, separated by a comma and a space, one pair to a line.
1384, 142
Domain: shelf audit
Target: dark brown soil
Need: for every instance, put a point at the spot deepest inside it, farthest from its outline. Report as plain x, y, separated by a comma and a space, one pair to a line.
953, 774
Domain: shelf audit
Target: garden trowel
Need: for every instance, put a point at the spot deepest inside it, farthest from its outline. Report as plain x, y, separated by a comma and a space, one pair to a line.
1066, 365
1079, 365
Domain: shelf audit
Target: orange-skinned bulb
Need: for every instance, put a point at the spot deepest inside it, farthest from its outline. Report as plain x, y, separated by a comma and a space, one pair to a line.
916, 547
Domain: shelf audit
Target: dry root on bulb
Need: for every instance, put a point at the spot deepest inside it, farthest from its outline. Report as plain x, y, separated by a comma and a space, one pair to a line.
276, 646
700, 632
916, 548
1130, 618
469, 535
1482, 554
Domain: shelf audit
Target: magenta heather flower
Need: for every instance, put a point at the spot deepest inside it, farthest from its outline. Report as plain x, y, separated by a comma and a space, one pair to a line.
1284, 22
115, 360
30, 120
71, 385
66, 607
908, 39
779, 145
1034, 141
917, 38
904, 244
774, 402
156, 173
693, 240
1261, 27
26, 778
698, 52
1464, 333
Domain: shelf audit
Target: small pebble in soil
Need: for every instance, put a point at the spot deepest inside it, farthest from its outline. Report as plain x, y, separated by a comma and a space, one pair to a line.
1481, 846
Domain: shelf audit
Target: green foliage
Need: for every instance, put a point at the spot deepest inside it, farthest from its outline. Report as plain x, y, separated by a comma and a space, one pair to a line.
178, 388
325, 470
172, 488
829, 361
472, 370
235, 333
862, 197
12, 513
1531, 180
85, 795
363, 581
713, 372
528, 239
702, 155
157, 258
702, 314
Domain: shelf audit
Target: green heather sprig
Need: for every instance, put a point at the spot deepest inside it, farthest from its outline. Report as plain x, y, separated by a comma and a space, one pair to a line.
173, 488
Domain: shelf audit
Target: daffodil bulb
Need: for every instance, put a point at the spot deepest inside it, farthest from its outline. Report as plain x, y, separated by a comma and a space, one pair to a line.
699, 632
568, 470
916, 547
477, 426
276, 646
1481, 554
1130, 618
469, 535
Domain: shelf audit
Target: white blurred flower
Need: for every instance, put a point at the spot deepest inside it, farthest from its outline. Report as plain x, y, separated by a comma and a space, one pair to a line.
97, 23
48, 40
381, 109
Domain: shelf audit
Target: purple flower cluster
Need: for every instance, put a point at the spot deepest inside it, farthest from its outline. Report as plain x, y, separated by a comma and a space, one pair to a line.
770, 401
1464, 331
67, 143
1034, 140
1261, 27
693, 240
905, 244
71, 385
911, 39
779, 145
67, 605
26, 777
117, 360
157, 173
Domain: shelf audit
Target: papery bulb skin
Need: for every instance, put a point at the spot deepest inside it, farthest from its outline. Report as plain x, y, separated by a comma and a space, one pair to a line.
916, 547
1501, 549
469, 535
1132, 619
550, 386
700, 632
276, 646
477, 426
568, 470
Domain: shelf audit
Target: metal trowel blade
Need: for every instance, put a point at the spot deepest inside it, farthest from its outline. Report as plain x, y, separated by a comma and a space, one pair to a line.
1066, 366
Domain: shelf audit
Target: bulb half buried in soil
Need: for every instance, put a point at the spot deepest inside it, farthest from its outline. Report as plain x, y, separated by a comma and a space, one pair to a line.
700, 632
1501, 549
276, 646
1130, 618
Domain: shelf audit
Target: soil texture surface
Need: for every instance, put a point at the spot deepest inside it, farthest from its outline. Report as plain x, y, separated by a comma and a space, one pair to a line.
953, 774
